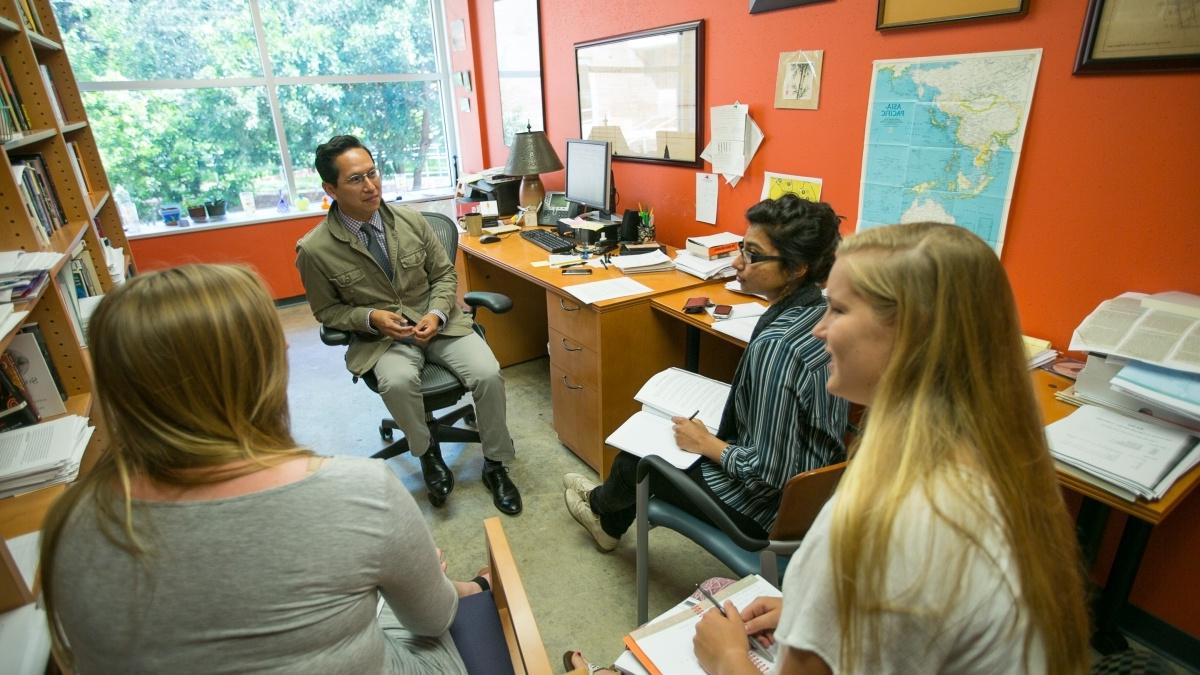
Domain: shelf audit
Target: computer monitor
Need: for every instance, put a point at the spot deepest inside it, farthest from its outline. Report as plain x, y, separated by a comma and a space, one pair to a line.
589, 174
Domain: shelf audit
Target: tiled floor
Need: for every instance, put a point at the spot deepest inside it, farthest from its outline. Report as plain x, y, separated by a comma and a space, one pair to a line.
582, 599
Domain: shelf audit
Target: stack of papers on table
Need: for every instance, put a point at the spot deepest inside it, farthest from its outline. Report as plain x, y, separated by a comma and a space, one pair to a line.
702, 267
1175, 390
655, 261
664, 645
741, 321
1038, 351
1130, 456
42, 455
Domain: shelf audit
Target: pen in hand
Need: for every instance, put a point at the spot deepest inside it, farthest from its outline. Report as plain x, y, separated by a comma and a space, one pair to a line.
690, 419
757, 648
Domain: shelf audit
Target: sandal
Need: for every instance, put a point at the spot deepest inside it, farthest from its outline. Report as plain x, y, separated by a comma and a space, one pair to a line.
482, 580
569, 663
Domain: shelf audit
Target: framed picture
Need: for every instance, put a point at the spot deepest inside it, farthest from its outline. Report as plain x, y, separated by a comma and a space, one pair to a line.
760, 6
1135, 35
901, 13
644, 93
798, 84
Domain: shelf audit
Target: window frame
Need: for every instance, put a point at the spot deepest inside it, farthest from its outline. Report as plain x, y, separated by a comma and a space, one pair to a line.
272, 83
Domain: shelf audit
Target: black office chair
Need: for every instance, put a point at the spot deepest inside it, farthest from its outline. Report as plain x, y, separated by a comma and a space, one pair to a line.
440, 388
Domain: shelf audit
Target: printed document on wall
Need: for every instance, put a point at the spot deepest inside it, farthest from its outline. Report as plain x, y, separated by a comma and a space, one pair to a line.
706, 198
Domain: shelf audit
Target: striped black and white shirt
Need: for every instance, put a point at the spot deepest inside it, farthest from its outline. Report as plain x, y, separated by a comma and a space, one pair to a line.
788, 423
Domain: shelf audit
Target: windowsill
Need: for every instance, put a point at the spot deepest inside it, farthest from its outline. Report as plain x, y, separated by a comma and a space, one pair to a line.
240, 219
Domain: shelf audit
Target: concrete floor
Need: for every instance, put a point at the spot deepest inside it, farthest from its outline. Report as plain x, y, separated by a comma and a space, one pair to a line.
583, 599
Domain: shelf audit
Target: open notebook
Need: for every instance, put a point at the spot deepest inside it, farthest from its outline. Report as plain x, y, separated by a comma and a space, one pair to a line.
670, 393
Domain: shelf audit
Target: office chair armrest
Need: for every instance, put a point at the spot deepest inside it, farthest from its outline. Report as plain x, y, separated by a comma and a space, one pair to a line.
699, 498
334, 337
496, 303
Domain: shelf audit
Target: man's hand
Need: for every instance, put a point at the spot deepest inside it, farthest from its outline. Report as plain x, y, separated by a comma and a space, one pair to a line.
762, 618
693, 436
720, 642
427, 327
391, 324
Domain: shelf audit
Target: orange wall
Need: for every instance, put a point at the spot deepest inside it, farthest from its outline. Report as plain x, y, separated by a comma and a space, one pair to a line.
1092, 144
270, 248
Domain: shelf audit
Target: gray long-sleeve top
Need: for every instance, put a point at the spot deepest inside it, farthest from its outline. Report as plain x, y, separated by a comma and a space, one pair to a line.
282, 580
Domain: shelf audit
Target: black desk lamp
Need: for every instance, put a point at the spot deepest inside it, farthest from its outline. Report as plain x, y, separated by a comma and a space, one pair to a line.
531, 154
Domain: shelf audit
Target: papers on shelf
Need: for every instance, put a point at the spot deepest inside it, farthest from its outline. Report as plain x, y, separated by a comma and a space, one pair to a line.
1138, 455
12, 262
609, 289
655, 261
11, 320
1123, 327
705, 269
43, 454
1172, 389
664, 645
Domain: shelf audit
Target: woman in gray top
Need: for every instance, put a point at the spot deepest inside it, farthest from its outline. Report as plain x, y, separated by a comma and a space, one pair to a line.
204, 539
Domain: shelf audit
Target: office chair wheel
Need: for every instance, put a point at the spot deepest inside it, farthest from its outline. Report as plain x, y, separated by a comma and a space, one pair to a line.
386, 434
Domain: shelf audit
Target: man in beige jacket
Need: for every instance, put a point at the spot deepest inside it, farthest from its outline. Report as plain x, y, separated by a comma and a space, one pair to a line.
378, 271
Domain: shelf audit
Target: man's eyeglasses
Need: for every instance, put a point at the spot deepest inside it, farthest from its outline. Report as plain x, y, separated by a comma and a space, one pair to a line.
753, 258
356, 180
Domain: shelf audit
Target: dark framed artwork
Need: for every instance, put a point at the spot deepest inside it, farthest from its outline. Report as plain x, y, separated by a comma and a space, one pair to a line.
1139, 36
643, 92
760, 6
904, 13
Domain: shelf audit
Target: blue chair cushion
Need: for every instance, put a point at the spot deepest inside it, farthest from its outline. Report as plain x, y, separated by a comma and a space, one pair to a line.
478, 636
711, 538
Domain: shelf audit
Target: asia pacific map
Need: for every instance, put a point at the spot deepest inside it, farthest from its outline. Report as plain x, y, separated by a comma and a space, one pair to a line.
943, 138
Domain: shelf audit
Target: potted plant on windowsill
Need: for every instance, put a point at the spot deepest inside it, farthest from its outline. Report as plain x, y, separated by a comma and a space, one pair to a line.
195, 209
215, 204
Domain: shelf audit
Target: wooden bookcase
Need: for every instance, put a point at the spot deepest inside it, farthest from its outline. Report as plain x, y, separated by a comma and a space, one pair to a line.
89, 216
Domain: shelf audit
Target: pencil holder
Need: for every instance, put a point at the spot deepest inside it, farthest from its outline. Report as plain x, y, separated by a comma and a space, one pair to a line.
646, 228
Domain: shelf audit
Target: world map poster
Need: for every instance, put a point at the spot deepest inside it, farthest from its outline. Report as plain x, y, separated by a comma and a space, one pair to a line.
943, 140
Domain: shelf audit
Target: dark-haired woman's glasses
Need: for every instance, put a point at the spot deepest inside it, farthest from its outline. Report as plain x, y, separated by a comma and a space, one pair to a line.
753, 258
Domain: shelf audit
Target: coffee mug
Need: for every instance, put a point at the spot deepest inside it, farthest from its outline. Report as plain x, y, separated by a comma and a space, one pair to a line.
474, 224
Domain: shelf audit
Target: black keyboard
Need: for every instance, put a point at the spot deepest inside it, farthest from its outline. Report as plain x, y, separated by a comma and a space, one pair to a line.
548, 240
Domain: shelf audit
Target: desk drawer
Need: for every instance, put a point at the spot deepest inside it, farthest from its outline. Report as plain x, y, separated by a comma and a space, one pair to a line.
577, 416
573, 319
581, 363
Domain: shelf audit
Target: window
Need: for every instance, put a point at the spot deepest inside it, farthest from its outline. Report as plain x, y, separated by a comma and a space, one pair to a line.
212, 99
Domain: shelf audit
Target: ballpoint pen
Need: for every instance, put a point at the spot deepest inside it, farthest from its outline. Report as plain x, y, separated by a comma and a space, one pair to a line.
758, 649
690, 419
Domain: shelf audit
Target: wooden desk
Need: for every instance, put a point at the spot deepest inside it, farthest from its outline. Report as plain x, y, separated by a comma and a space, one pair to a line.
671, 304
600, 354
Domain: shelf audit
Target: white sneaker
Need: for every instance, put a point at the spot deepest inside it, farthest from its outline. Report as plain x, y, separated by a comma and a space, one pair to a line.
579, 483
582, 512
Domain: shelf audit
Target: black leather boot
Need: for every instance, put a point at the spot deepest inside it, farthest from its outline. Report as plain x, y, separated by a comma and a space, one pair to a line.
505, 495
439, 480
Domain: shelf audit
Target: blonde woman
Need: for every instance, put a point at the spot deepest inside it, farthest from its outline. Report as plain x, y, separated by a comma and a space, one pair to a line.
947, 547
204, 539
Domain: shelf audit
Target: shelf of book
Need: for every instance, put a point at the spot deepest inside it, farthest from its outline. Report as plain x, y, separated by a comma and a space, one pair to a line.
57, 144
29, 138
42, 42
96, 201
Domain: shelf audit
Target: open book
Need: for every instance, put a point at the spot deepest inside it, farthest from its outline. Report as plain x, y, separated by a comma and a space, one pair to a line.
664, 645
673, 392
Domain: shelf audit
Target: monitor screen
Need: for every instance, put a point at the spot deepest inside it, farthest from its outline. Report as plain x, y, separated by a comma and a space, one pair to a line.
589, 177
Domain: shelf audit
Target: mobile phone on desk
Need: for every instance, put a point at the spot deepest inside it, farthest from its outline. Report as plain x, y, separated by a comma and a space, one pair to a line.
722, 311
583, 271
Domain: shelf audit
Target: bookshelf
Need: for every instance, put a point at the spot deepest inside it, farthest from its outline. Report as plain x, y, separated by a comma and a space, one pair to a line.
89, 214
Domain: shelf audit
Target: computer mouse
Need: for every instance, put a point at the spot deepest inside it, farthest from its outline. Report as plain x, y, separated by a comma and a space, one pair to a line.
489, 239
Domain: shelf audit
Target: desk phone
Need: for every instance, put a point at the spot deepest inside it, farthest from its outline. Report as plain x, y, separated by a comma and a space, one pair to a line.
555, 206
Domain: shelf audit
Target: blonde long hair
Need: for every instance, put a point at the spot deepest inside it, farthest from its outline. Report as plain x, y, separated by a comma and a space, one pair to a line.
191, 376
955, 394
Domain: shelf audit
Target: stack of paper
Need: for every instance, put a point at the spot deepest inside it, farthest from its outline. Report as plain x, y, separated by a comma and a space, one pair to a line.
609, 289
705, 269
736, 287
1129, 455
741, 321
1038, 351
1175, 390
27, 261
655, 261
43, 454
21, 286
115, 260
